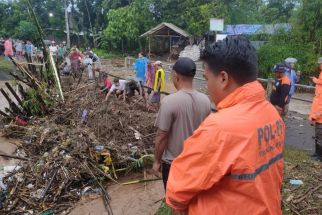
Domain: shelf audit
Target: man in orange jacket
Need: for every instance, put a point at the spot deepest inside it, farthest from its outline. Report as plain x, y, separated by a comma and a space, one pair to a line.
233, 163
316, 112
281, 89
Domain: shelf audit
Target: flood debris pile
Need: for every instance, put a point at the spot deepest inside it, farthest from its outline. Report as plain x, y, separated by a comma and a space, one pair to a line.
126, 127
78, 148
302, 188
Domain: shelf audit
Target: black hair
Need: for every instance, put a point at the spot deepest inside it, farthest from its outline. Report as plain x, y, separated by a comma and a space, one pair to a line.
116, 80
235, 55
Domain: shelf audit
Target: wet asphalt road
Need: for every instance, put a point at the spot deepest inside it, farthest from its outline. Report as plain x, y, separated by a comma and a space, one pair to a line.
299, 132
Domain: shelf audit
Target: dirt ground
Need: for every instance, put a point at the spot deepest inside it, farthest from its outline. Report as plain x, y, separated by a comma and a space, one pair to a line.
126, 200
145, 199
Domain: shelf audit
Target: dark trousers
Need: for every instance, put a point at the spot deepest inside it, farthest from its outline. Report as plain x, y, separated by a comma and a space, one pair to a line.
318, 139
165, 174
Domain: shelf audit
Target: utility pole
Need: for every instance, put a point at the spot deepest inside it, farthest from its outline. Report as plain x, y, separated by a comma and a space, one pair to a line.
90, 24
67, 25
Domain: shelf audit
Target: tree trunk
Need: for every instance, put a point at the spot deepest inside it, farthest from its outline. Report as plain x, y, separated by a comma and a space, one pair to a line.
67, 25
90, 23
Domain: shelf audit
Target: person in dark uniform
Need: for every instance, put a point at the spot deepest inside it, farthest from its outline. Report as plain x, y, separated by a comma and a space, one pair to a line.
281, 89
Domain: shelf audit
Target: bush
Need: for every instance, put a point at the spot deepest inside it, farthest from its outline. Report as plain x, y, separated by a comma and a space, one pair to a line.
26, 31
105, 55
282, 46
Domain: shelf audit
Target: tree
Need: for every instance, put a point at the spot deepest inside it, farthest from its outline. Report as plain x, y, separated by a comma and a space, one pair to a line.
26, 31
307, 23
278, 11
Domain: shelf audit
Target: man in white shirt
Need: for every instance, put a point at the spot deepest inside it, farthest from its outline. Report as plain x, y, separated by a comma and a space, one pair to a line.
53, 50
118, 88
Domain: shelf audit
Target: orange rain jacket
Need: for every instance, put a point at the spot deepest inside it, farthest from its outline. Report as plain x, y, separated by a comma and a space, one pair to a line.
316, 110
233, 162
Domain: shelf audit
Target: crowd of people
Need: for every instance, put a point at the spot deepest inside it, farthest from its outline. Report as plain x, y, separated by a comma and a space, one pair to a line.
210, 158
147, 75
21, 50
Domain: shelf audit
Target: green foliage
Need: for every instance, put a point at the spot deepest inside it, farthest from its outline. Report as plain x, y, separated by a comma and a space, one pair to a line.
164, 210
38, 102
101, 53
282, 46
278, 11
25, 31
307, 23
303, 42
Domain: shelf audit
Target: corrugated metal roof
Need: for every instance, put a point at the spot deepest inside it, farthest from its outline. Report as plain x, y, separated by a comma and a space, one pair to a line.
158, 30
255, 29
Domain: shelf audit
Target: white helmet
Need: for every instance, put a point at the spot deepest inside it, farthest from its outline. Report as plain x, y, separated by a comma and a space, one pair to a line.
159, 63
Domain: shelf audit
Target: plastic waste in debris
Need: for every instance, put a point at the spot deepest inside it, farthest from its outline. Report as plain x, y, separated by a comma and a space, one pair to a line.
7, 169
296, 182
49, 212
30, 186
100, 148
20, 121
84, 117
2, 185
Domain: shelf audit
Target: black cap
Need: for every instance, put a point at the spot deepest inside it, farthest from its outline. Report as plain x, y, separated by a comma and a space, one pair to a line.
185, 66
279, 68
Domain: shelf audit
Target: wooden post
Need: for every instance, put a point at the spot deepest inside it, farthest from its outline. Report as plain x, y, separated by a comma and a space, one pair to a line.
149, 47
269, 87
170, 45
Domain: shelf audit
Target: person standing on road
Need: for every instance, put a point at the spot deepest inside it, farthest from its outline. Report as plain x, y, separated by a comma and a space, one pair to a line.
158, 87
53, 50
29, 51
281, 89
316, 112
8, 49
19, 49
292, 75
60, 54
233, 163
140, 67
179, 115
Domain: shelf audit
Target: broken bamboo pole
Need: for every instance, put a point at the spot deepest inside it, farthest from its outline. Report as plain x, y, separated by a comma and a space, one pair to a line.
14, 157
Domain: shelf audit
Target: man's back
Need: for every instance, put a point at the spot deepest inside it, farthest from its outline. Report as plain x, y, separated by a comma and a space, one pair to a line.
181, 113
237, 160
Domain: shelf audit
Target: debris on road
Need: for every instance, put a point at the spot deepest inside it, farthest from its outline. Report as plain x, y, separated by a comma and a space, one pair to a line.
64, 156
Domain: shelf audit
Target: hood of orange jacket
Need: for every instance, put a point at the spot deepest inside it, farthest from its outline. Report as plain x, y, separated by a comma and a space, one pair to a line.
316, 109
232, 164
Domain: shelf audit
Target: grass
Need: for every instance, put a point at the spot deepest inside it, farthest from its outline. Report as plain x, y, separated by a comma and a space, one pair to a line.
292, 157
295, 156
5, 65
105, 55
163, 210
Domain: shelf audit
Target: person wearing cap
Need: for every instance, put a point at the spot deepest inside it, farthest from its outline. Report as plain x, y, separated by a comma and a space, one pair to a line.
233, 163
292, 75
281, 89
179, 115
158, 86
316, 112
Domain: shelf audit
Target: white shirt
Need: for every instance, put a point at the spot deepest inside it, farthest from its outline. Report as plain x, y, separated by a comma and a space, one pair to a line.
53, 50
121, 86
